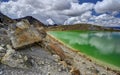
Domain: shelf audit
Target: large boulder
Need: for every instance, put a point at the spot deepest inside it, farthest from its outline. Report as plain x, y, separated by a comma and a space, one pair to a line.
23, 33
14, 59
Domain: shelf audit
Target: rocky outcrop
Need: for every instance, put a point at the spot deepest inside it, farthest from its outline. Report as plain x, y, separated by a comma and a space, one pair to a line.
2, 52
14, 59
23, 33
32, 21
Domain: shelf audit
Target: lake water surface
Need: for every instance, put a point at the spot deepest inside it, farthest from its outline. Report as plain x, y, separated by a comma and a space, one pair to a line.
104, 46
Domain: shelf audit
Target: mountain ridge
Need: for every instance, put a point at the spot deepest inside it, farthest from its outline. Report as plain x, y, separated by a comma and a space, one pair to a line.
81, 26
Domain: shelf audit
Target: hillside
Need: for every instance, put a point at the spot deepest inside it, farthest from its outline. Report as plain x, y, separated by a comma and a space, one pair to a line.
80, 27
5, 19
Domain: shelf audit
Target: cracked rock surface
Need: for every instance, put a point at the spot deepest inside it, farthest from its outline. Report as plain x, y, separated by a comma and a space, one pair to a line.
23, 33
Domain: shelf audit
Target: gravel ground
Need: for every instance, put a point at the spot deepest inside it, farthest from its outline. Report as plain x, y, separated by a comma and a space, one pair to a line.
43, 63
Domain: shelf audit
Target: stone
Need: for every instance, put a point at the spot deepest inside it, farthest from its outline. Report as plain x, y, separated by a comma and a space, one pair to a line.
23, 33
1, 48
94, 70
75, 71
42, 62
14, 59
2, 45
1, 72
60, 69
20, 56
23, 25
2, 52
83, 62
56, 58
25, 58
48, 73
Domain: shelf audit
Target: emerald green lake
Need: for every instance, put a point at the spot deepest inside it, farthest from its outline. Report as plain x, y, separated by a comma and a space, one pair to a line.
104, 46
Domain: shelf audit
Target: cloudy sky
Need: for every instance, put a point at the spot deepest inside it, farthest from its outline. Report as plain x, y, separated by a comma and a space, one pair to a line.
99, 12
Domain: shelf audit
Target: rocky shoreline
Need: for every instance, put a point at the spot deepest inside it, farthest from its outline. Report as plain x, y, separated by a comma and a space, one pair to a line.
81, 59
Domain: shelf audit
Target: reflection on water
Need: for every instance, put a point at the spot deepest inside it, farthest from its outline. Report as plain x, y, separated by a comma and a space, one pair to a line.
101, 45
105, 42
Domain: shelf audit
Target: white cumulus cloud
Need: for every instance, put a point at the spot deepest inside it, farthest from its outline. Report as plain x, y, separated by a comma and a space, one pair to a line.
107, 6
77, 9
43, 10
105, 20
83, 18
40, 9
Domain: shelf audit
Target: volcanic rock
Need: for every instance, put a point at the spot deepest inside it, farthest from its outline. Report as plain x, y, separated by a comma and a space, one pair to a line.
4, 39
14, 59
23, 33
5, 19
2, 52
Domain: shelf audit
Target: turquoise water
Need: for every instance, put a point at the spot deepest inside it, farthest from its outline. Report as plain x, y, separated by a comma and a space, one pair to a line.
104, 46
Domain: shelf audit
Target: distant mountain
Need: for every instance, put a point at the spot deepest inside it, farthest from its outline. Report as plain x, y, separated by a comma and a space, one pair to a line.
5, 19
32, 20
116, 27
